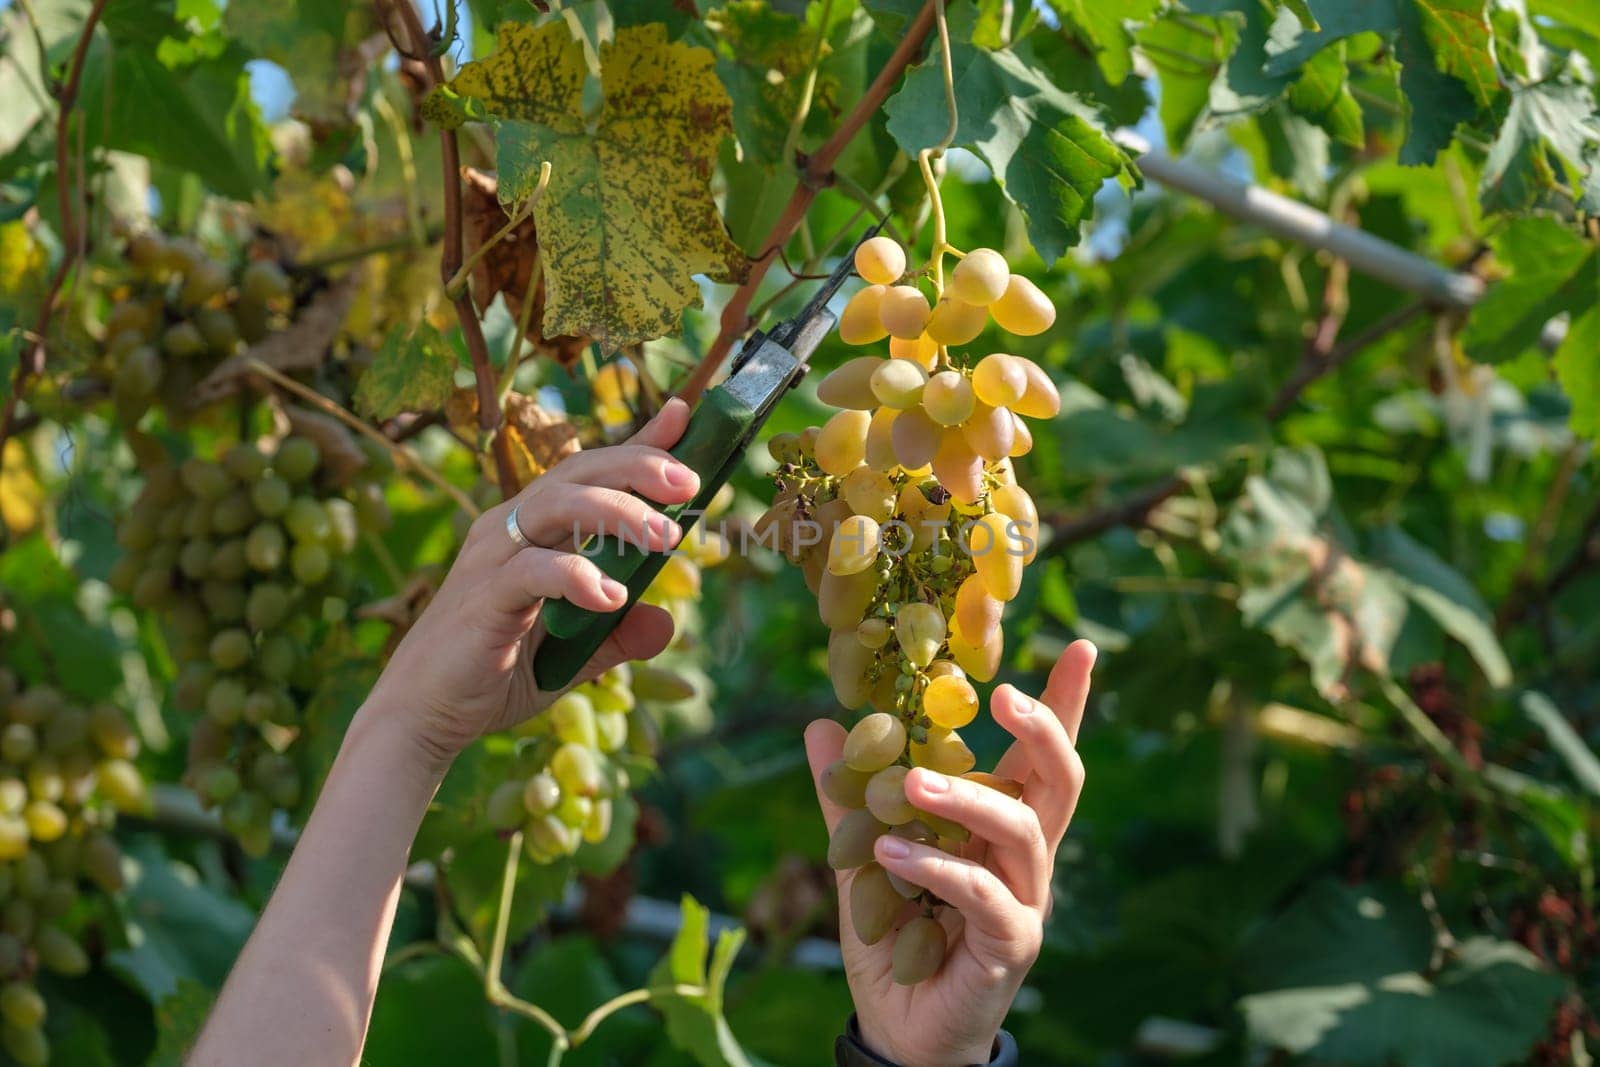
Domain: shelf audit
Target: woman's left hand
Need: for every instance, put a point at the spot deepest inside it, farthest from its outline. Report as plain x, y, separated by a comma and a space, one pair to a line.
463, 669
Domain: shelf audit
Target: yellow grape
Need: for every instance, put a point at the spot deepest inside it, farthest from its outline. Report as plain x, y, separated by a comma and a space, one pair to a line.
950, 702
597, 827
880, 260
996, 556
941, 667
920, 630
849, 385
977, 613
874, 742
999, 380
851, 842
915, 438
879, 450
948, 398
678, 579
842, 444
918, 950
958, 468
949, 831
990, 432
1022, 440
1014, 502
955, 322
981, 661
874, 904
903, 311
843, 599
848, 661
844, 785
923, 350
873, 633
886, 796
1022, 309
854, 545
943, 751
898, 383
1000, 784
859, 323
808, 439
885, 697
980, 278
869, 492
923, 516
1041, 399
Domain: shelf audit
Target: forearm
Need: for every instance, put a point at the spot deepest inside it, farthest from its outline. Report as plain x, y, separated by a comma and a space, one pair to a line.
302, 989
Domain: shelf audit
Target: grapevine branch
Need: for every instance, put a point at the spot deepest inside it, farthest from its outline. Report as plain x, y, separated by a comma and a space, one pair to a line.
32, 362
816, 173
484, 378
1318, 361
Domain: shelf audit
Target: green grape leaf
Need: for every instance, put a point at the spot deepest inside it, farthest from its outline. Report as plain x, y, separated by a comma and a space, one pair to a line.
1346, 975
1047, 147
628, 218
1565, 739
414, 370
199, 117
179, 1018
1552, 118
1446, 596
696, 1024
1550, 270
1434, 103
1303, 12
431, 1010
1105, 29
1458, 33
1290, 44
1577, 364
1322, 95
1243, 87
317, 44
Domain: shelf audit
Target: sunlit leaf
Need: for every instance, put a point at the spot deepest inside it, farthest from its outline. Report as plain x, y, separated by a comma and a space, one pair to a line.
1577, 364
628, 218
413, 371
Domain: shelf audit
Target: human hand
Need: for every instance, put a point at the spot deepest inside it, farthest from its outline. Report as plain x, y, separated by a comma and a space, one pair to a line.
463, 669
1000, 883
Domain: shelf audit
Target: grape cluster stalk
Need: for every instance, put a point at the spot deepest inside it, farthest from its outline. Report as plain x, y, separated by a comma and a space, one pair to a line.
65, 771
244, 557
904, 513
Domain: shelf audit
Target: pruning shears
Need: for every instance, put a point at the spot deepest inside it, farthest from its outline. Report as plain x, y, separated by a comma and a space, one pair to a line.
767, 366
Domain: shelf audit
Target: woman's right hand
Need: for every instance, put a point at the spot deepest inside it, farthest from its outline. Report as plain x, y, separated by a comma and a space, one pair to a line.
462, 670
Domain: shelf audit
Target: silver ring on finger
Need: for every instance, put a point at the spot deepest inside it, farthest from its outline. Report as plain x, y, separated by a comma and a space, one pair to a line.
514, 529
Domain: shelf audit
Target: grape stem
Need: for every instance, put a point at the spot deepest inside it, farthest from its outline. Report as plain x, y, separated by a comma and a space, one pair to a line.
72, 240
402, 455
483, 375
807, 92
562, 1039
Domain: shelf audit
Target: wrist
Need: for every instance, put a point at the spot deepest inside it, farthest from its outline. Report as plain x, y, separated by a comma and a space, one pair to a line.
401, 739
880, 1041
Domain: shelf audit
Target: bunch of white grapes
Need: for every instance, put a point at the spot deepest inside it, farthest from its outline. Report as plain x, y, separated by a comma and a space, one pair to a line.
244, 560
65, 770
904, 512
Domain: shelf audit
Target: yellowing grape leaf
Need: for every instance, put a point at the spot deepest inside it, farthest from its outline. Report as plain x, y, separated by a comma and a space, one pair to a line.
413, 371
21, 497
628, 218
539, 438
22, 266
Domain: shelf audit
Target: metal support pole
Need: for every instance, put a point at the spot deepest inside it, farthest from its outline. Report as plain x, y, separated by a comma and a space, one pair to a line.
1306, 225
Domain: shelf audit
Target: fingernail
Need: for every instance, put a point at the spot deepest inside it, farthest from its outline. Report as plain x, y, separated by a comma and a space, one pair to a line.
681, 477
934, 782
1094, 653
613, 589
892, 847
1024, 704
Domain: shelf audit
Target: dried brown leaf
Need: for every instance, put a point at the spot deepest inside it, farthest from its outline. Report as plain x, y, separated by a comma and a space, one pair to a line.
539, 439
302, 346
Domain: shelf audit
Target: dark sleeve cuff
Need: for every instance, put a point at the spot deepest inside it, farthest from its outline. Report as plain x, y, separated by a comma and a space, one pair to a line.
850, 1051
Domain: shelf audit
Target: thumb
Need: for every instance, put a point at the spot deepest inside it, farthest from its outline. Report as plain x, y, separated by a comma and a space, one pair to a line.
824, 745
664, 430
